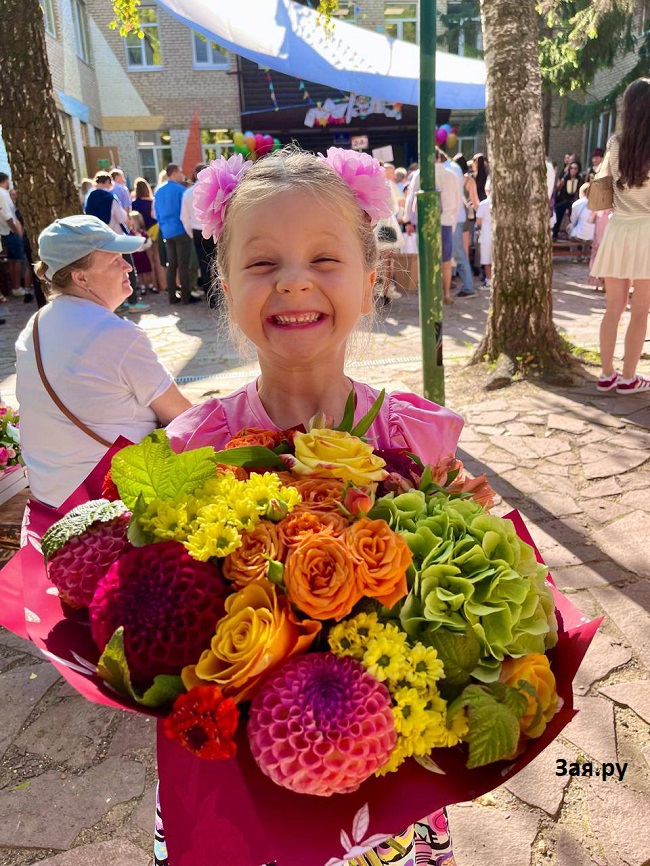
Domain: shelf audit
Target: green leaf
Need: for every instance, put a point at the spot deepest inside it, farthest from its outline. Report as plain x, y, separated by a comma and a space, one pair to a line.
77, 521
348, 414
250, 457
152, 470
459, 653
426, 479
493, 727
113, 668
366, 422
136, 534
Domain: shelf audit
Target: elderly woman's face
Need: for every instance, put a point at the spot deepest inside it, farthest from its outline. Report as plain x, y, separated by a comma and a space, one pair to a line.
106, 281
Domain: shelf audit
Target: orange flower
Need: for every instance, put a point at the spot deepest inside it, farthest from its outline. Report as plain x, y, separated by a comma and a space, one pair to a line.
256, 436
298, 526
239, 472
536, 670
382, 558
319, 578
258, 633
319, 494
247, 563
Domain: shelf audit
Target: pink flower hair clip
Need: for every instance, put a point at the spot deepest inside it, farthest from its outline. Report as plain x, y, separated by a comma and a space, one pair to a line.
365, 177
214, 187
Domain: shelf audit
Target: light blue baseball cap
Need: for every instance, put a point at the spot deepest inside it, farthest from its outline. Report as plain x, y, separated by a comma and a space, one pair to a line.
69, 239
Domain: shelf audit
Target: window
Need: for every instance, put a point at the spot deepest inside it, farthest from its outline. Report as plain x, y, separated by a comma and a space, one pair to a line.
154, 154
467, 146
80, 24
599, 130
144, 53
401, 21
347, 11
464, 35
70, 143
48, 16
99, 141
214, 143
207, 54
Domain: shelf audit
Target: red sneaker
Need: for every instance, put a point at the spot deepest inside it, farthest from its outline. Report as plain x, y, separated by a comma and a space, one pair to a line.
634, 386
608, 383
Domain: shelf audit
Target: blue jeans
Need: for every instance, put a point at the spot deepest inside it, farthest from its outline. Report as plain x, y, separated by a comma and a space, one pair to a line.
462, 261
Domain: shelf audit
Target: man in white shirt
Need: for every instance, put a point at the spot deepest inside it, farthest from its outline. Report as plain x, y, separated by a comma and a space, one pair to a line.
460, 255
11, 232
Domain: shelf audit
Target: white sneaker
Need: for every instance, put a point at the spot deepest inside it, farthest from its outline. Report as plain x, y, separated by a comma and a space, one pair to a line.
392, 293
488, 284
197, 293
18, 293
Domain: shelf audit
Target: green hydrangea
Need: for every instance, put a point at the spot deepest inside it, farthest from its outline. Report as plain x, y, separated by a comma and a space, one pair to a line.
471, 568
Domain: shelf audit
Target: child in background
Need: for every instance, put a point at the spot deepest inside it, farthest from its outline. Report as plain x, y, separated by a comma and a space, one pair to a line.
297, 291
484, 223
600, 219
143, 259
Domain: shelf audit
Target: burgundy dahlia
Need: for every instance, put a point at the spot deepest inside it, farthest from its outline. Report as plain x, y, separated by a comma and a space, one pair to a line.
321, 725
168, 604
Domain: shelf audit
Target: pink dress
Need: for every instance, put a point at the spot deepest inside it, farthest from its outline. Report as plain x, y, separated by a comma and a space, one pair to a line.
405, 420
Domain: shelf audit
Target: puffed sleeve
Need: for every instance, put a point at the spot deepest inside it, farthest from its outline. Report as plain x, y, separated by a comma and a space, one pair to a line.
429, 430
198, 427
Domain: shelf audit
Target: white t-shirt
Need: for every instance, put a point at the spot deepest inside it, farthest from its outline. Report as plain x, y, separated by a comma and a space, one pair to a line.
104, 370
484, 213
7, 211
454, 168
411, 244
581, 228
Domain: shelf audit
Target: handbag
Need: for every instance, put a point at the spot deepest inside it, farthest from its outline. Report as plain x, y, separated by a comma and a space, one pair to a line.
601, 193
153, 232
68, 414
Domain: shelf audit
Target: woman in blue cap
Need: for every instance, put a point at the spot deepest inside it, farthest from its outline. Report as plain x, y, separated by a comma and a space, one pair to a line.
84, 375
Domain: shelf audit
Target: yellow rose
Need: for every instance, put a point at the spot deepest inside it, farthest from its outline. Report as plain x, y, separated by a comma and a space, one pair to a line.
257, 634
336, 454
533, 669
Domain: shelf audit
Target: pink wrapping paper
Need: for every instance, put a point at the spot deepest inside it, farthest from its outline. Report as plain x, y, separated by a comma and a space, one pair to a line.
228, 812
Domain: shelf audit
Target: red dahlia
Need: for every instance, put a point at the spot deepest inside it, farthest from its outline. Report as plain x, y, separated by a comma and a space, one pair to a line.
168, 604
204, 722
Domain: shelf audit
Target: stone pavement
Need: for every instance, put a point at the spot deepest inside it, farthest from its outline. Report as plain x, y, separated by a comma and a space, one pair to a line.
77, 780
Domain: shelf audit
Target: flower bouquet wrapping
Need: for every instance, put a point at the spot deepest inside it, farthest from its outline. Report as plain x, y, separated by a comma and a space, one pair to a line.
336, 640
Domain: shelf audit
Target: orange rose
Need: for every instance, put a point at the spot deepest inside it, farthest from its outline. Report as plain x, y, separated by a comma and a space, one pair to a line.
298, 526
258, 633
247, 563
319, 578
382, 557
536, 670
255, 436
319, 494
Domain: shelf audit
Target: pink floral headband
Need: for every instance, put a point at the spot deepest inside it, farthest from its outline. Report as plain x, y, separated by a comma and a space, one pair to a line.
216, 184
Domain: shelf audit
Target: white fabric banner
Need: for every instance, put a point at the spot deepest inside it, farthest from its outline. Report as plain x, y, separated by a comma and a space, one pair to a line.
287, 37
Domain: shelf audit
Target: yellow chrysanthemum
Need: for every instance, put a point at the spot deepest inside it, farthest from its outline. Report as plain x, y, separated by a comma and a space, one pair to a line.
409, 711
350, 637
399, 754
424, 666
213, 539
384, 657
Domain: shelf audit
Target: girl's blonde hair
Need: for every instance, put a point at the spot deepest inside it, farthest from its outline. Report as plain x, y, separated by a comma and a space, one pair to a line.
137, 219
294, 169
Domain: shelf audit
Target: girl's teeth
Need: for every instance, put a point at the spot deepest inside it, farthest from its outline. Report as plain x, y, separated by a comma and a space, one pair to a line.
292, 320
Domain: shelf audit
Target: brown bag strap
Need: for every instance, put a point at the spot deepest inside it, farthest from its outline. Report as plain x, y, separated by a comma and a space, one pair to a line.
68, 414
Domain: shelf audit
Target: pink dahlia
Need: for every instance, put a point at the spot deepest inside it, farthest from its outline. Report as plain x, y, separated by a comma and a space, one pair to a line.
364, 174
321, 725
214, 187
168, 604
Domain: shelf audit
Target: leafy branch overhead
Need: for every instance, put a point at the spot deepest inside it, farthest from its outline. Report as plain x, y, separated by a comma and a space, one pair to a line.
127, 16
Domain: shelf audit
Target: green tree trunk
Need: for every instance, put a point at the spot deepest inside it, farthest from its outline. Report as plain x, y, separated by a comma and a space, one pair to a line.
41, 166
520, 324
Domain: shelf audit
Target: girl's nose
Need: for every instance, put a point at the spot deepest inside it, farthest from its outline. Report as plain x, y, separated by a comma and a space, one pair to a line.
293, 279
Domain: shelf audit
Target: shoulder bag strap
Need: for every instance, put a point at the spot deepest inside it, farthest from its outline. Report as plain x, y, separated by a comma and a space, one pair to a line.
68, 414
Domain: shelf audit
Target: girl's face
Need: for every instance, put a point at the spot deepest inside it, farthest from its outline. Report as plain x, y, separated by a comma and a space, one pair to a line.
297, 280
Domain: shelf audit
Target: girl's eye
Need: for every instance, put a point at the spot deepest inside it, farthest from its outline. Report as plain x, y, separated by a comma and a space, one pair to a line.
325, 259
261, 263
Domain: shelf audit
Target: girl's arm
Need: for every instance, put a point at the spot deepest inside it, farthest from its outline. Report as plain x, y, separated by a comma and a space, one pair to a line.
472, 191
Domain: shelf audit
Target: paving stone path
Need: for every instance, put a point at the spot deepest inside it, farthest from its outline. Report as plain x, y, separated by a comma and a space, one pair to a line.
77, 780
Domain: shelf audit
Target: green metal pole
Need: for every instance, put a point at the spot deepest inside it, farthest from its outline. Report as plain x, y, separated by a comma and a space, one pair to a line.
430, 241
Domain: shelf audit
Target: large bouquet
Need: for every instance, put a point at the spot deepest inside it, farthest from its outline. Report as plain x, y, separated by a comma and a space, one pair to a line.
314, 615
12, 470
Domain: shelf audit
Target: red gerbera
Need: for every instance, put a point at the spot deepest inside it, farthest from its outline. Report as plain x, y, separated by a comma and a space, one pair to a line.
109, 489
204, 721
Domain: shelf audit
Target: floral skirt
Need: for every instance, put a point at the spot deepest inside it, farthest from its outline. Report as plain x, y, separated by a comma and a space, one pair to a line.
427, 843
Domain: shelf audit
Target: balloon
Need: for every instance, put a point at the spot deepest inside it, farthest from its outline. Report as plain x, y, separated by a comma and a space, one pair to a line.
277, 144
452, 141
238, 139
441, 136
249, 138
454, 129
246, 151
446, 127
259, 143
268, 143
238, 148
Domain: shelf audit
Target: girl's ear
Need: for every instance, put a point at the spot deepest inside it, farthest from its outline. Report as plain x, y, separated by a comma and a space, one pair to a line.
369, 285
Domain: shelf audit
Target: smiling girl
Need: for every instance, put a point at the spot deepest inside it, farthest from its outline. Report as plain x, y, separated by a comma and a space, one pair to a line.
297, 262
